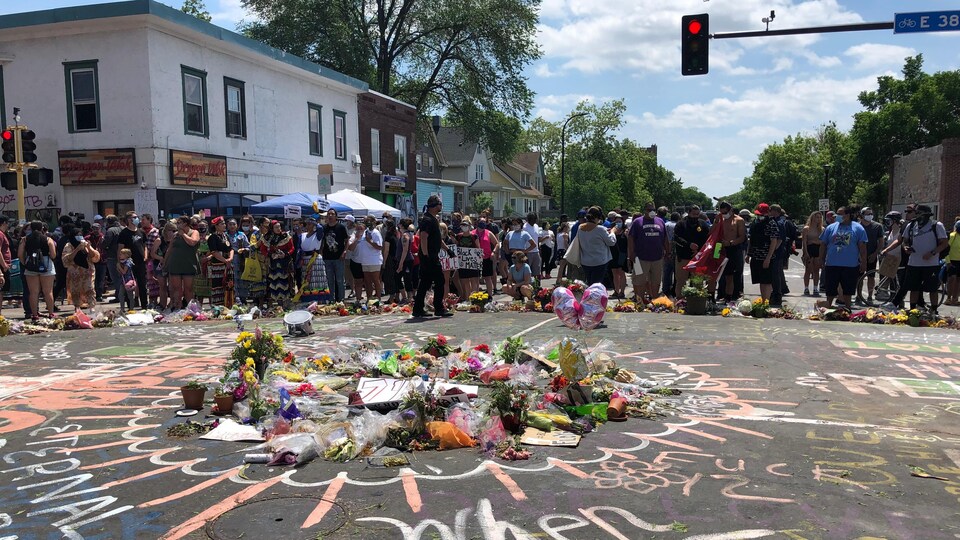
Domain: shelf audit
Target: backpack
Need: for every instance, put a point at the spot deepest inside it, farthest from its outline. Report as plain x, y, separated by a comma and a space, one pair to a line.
933, 228
35, 258
756, 234
108, 246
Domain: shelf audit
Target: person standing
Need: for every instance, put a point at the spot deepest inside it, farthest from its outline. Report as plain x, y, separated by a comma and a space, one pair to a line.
79, 258
132, 238
151, 235
181, 263
781, 257
688, 237
595, 242
219, 259
764, 238
547, 244
100, 268
487, 240
277, 246
36, 253
669, 261
923, 239
314, 286
6, 257
469, 277
811, 253
240, 244
369, 250
845, 254
732, 238
431, 273
874, 236
334, 252
109, 252
647, 246
533, 254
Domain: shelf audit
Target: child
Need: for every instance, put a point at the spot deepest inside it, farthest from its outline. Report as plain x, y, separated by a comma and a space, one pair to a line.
129, 289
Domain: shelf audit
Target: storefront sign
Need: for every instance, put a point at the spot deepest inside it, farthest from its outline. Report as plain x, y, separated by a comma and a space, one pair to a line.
198, 170
324, 179
393, 184
111, 166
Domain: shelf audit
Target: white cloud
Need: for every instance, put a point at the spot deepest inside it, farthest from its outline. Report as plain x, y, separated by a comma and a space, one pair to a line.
762, 132
733, 160
543, 70
228, 13
820, 61
872, 56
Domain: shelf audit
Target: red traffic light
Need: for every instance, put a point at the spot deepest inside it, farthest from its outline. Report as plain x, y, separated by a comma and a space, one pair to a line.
7, 135
694, 27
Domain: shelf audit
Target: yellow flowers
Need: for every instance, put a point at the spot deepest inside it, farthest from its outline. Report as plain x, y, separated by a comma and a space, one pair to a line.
324, 361
725, 312
247, 344
289, 375
244, 336
250, 362
249, 377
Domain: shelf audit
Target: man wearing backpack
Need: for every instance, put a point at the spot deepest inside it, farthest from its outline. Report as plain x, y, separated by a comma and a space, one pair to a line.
923, 240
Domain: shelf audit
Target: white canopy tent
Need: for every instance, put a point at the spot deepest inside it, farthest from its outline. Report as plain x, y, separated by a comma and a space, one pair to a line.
362, 205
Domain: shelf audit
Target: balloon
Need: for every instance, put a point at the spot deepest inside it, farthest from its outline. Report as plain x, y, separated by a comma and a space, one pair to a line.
572, 361
585, 314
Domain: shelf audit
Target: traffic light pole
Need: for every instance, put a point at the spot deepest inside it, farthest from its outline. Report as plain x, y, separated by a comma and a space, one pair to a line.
20, 168
812, 30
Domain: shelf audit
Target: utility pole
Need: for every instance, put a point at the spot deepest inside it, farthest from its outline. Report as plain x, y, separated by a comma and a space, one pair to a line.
18, 153
563, 151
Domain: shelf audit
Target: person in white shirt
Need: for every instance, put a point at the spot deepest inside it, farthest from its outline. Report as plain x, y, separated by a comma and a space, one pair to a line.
546, 250
533, 254
368, 245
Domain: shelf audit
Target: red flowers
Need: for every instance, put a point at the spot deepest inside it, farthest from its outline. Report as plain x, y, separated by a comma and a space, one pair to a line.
454, 371
441, 340
483, 347
288, 358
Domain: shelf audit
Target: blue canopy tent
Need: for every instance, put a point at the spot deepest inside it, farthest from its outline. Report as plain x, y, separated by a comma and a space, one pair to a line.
274, 207
216, 202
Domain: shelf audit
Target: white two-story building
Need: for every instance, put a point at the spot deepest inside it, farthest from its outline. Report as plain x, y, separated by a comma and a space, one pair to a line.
138, 106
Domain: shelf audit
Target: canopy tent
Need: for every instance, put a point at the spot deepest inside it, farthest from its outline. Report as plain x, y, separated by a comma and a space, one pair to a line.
274, 207
360, 204
215, 202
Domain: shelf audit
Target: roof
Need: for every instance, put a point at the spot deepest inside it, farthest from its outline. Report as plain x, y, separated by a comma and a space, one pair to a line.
529, 161
456, 150
487, 186
150, 7
529, 191
393, 99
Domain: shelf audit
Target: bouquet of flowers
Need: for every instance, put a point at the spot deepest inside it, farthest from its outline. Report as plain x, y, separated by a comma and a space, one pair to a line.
479, 298
544, 294
510, 403
662, 304
626, 306
509, 350
259, 347
437, 346
760, 308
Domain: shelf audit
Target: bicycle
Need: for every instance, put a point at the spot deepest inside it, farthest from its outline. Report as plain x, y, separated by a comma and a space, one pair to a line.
886, 287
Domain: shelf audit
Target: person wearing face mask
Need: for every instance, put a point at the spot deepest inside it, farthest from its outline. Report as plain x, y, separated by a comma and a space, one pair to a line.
844, 255
732, 238
79, 258
518, 239
334, 251
923, 240
132, 238
533, 254
277, 246
487, 240
874, 237
764, 238
201, 283
688, 236
469, 277
547, 243
240, 244
354, 235
151, 237
646, 249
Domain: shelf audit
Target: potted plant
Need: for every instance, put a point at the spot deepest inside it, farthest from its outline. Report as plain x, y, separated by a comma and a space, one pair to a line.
544, 296
510, 404
695, 292
193, 394
224, 398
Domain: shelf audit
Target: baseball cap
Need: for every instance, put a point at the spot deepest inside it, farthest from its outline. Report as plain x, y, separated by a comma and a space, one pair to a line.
762, 209
97, 217
350, 218
582, 213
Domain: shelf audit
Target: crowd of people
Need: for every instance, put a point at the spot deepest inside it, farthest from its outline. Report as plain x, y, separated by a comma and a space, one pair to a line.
165, 264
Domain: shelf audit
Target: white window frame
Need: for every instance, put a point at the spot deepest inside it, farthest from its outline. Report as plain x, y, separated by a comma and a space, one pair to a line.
339, 134
430, 161
419, 162
375, 149
400, 152
478, 172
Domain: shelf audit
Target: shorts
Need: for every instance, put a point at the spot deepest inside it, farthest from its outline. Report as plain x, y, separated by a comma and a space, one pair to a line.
760, 275
872, 260
356, 270
734, 265
6, 281
922, 278
835, 277
813, 250
487, 268
953, 269
371, 267
652, 273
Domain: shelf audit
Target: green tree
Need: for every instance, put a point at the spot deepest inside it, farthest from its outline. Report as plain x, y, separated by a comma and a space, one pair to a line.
691, 195
466, 57
481, 202
197, 9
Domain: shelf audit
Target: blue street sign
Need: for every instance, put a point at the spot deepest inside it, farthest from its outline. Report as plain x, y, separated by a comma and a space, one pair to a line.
927, 21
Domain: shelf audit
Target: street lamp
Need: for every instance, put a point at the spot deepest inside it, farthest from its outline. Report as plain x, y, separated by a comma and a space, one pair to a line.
563, 148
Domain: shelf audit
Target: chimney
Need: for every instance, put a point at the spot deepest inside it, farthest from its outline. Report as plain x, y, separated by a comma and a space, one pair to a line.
436, 124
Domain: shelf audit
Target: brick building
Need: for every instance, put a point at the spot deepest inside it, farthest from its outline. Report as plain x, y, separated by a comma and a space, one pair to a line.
928, 176
389, 165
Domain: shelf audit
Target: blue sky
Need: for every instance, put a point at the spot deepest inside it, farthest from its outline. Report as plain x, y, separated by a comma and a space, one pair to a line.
708, 129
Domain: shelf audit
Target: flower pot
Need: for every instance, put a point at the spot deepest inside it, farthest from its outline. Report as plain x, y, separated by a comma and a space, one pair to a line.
511, 422
696, 305
224, 404
616, 408
193, 397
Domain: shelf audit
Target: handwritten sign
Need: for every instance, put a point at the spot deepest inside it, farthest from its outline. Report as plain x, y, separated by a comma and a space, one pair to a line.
291, 211
470, 258
198, 170
112, 166
447, 262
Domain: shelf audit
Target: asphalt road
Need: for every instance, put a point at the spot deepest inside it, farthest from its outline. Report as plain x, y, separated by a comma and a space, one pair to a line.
783, 429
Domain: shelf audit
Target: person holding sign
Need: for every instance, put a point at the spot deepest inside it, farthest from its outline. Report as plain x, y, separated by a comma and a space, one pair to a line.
469, 276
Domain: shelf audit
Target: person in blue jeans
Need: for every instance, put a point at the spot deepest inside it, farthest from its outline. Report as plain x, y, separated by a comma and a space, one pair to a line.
334, 252
844, 251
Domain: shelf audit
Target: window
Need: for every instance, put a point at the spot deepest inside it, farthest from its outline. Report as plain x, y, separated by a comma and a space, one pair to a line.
194, 101
478, 173
339, 134
375, 149
525, 180
316, 137
83, 99
400, 150
235, 107
430, 161
458, 201
419, 162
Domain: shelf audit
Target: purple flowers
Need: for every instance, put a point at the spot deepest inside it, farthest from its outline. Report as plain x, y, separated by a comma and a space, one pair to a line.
473, 364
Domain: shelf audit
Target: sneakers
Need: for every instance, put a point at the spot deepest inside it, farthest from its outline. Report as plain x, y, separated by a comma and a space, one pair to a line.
445, 314
806, 291
816, 291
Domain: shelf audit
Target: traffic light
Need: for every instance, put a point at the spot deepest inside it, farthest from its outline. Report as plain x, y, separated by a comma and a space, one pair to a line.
28, 147
40, 177
695, 44
9, 147
9, 181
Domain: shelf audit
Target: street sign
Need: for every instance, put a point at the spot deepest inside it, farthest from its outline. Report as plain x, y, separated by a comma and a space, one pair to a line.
926, 21
324, 179
824, 205
291, 211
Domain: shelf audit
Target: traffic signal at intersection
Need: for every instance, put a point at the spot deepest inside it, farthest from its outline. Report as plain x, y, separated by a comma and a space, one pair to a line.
695, 44
28, 146
9, 147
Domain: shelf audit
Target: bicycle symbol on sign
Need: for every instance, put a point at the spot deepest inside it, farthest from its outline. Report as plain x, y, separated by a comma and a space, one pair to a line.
907, 23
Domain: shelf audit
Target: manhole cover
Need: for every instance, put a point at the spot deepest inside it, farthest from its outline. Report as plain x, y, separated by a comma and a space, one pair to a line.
276, 517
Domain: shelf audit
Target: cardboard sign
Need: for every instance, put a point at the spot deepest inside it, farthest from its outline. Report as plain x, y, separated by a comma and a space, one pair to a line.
291, 211
447, 262
380, 392
535, 437
470, 258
